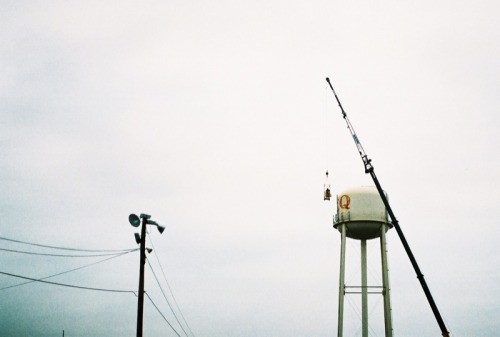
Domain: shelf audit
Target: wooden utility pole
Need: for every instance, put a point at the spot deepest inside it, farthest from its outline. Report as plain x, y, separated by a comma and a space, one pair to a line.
140, 302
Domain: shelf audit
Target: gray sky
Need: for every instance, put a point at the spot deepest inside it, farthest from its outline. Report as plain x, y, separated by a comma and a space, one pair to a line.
215, 117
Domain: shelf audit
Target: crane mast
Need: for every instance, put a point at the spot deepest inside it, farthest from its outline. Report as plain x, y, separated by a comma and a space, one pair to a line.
370, 170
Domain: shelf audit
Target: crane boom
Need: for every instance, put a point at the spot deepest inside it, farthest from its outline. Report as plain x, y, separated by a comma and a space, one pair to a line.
370, 170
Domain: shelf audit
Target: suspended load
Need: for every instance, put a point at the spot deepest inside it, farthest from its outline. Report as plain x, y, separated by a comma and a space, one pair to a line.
327, 194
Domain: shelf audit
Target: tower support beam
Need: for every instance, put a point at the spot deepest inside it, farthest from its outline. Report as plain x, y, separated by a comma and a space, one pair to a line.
340, 324
364, 291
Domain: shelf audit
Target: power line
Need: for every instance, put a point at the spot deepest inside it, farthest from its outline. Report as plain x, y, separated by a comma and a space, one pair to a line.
162, 315
64, 255
64, 248
68, 285
166, 299
170, 290
68, 271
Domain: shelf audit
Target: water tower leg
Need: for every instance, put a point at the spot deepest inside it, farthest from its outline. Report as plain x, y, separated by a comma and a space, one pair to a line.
340, 324
364, 291
385, 280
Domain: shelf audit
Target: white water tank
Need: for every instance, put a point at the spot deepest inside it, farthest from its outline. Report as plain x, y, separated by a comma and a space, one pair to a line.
363, 212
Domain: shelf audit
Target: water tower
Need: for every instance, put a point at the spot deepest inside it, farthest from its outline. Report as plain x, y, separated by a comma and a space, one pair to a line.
361, 215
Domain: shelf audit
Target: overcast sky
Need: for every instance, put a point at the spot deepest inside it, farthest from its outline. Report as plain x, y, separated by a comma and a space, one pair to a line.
215, 118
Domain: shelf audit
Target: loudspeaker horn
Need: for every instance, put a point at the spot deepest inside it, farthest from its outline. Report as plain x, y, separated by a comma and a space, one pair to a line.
134, 220
137, 238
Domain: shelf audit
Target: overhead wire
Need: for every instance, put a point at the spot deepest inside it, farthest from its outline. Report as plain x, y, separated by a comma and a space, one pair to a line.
108, 252
159, 311
166, 299
112, 253
64, 248
69, 271
170, 290
64, 255
68, 285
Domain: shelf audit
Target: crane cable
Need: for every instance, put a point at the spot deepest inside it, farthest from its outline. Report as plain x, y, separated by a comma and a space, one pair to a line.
326, 186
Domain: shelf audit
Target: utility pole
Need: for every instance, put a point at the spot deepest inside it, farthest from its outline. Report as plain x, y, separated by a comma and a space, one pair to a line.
135, 221
140, 303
